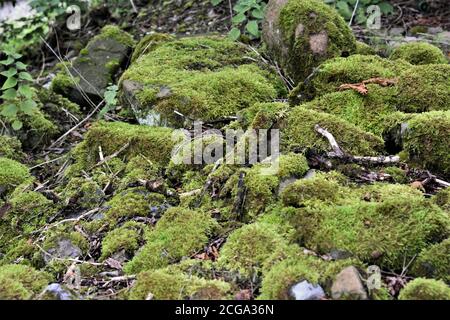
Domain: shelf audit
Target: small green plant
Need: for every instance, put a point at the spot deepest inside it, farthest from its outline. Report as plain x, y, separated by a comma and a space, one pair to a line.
247, 18
16, 91
346, 8
110, 97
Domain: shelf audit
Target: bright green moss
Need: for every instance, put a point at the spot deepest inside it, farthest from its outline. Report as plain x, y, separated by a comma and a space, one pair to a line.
179, 233
12, 173
398, 175
353, 69
114, 32
424, 88
135, 202
165, 285
434, 262
407, 222
442, 199
364, 49
126, 237
426, 141
22, 250
292, 165
138, 168
19, 282
63, 83
248, 247
149, 43
153, 143
419, 53
202, 77
301, 34
11, 148
298, 134
425, 289
83, 193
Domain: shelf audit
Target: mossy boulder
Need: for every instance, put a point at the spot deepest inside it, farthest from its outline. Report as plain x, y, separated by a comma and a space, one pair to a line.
298, 134
419, 53
434, 262
96, 66
424, 88
12, 174
154, 143
425, 289
203, 78
179, 233
364, 49
163, 284
426, 141
149, 43
352, 69
20, 282
301, 34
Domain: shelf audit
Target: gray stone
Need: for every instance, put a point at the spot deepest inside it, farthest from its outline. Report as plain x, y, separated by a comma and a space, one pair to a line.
64, 248
306, 291
56, 291
348, 285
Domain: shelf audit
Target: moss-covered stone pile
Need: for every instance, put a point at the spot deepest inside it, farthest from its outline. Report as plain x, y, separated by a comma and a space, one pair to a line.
121, 218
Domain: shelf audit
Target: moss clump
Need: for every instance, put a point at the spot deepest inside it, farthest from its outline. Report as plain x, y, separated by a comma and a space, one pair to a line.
126, 237
149, 43
19, 282
398, 175
11, 148
12, 173
425, 289
22, 250
407, 222
424, 88
434, 262
139, 168
134, 202
442, 199
179, 233
301, 34
353, 69
83, 193
364, 49
111, 137
165, 285
419, 53
114, 32
202, 77
248, 248
426, 141
299, 135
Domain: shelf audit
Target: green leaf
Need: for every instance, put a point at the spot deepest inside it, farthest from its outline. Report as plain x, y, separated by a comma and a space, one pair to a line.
239, 18
20, 65
25, 76
258, 14
9, 83
386, 8
234, 34
344, 9
26, 91
11, 72
28, 107
17, 125
216, 2
7, 62
10, 110
9, 94
252, 28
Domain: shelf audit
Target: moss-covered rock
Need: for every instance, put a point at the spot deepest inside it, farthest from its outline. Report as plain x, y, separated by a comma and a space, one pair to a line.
434, 262
82, 193
149, 43
424, 88
426, 141
352, 69
179, 233
425, 289
204, 78
419, 53
19, 282
95, 68
11, 148
127, 238
163, 284
12, 174
249, 247
300, 34
155, 144
364, 49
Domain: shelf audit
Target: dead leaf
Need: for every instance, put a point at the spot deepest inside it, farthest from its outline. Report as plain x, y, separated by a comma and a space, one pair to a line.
113, 263
418, 185
245, 294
